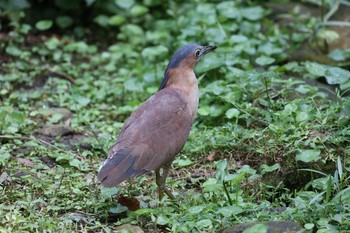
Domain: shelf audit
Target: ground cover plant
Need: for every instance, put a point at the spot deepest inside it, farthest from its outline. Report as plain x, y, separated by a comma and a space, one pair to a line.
271, 140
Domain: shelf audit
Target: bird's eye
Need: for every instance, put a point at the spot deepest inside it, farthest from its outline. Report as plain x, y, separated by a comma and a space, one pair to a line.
197, 53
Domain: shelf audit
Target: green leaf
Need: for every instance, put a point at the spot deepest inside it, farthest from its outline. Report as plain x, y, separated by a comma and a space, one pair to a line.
64, 21
210, 62
144, 211
328, 35
228, 10
183, 162
4, 156
17, 117
212, 188
216, 110
74, 163
13, 50
195, 209
55, 117
238, 38
90, 2
235, 178
133, 84
125, 4
345, 86
151, 53
257, 228
266, 168
80, 47
230, 210
246, 169
14, 5
138, 10
309, 226
304, 89
204, 223
302, 116
82, 101
102, 20
289, 108
232, 112
119, 209
52, 43
308, 155
43, 25
108, 192
116, 20
316, 69
3, 114
221, 170
204, 111
270, 48
339, 54
64, 157
253, 13
264, 60
336, 75
217, 87
162, 220
133, 32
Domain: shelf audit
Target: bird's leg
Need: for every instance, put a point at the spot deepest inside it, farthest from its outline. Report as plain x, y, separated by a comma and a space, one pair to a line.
160, 180
166, 169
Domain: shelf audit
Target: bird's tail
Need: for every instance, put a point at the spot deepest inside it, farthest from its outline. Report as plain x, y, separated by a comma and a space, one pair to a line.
118, 168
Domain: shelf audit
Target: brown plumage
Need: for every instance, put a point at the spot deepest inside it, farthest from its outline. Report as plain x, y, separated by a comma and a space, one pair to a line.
159, 128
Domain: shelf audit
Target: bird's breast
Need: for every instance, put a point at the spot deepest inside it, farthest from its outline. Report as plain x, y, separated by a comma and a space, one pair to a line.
193, 101
185, 80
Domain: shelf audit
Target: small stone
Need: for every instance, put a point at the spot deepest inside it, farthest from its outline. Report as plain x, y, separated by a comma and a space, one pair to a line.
56, 130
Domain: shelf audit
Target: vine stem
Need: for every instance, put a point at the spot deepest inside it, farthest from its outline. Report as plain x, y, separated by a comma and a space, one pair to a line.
227, 194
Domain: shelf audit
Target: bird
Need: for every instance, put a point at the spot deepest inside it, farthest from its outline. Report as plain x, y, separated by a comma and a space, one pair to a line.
158, 129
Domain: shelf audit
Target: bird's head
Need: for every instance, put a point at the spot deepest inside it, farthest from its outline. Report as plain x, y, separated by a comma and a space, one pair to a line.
186, 57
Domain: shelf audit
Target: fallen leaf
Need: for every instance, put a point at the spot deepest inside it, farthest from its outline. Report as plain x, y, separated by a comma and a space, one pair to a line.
20, 173
26, 162
88, 177
130, 202
211, 156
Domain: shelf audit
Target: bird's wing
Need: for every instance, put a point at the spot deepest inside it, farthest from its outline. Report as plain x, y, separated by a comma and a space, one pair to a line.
151, 137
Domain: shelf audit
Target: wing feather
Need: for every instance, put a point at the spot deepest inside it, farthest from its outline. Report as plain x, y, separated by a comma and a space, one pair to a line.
151, 137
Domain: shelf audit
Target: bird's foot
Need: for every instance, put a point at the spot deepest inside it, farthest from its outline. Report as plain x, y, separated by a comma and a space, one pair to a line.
162, 190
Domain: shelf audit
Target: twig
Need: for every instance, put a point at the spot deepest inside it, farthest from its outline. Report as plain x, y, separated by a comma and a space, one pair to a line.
346, 3
36, 139
332, 11
336, 23
226, 192
61, 75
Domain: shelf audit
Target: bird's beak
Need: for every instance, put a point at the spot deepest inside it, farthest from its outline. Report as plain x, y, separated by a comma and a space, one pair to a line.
207, 49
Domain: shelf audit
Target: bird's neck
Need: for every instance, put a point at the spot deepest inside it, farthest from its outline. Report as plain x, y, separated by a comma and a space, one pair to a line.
186, 82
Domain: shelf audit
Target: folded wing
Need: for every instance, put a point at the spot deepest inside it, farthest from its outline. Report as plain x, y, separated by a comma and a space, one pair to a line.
150, 138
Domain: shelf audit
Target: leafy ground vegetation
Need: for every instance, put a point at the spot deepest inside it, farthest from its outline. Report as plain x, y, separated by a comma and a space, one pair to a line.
271, 140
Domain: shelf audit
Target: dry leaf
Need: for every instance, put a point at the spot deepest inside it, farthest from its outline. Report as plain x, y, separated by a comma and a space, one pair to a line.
26, 162
130, 202
88, 177
211, 156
